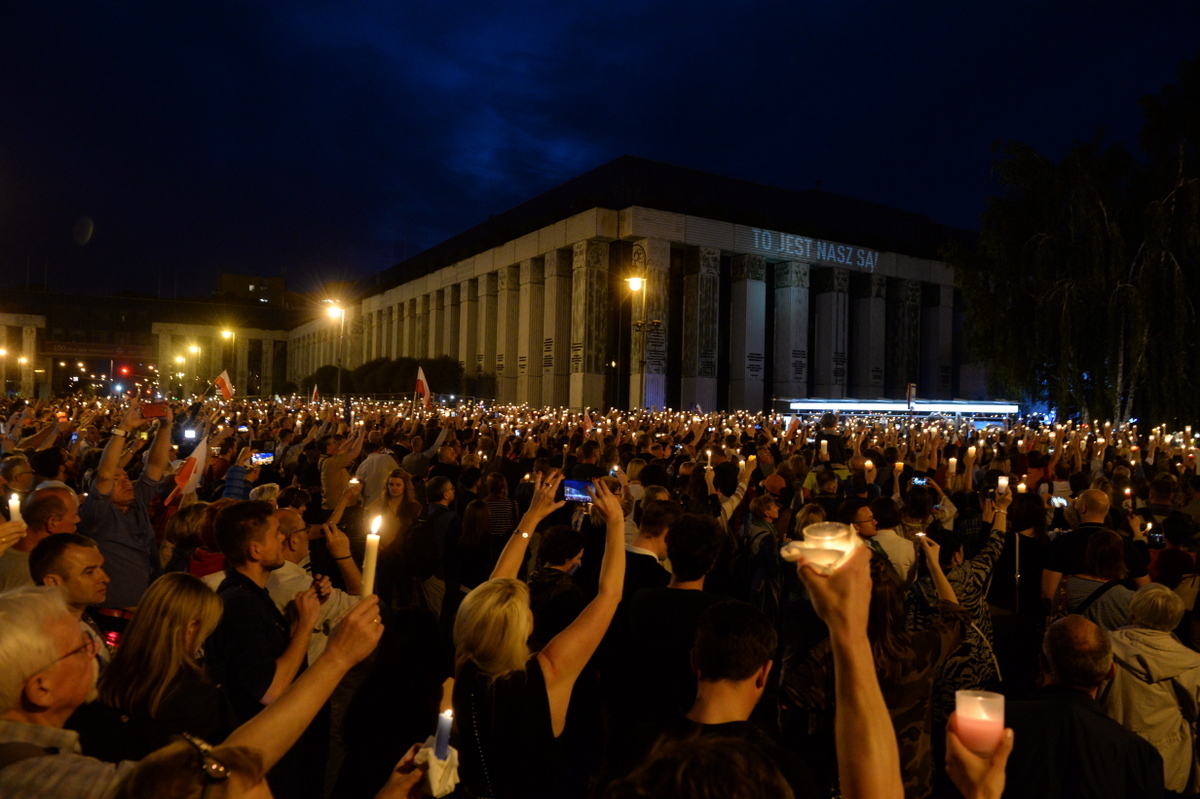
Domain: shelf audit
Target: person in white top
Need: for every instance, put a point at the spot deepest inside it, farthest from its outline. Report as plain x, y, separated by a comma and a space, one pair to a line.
374, 470
292, 578
900, 551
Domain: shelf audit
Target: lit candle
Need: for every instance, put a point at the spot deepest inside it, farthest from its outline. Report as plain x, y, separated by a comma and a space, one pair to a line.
869, 466
824, 545
979, 720
953, 466
970, 453
371, 556
1002, 484
898, 467
824, 447
14, 508
1020, 488
441, 746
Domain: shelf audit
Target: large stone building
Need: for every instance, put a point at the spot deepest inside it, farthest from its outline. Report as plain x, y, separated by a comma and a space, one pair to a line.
740, 293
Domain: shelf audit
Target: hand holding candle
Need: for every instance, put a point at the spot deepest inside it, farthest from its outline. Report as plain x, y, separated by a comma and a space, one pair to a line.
14, 508
979, 720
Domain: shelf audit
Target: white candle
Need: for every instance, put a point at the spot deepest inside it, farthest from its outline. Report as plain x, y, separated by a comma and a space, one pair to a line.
14, 508
1002, 484
824, 447
869, 466
970, 453
953, 465
441, 746
898, 467
1020, 488
371, 556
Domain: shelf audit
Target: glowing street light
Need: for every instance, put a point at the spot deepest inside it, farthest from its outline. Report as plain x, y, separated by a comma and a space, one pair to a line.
337, 312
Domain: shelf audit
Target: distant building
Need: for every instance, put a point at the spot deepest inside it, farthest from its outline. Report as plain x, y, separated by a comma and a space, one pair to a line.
744, 293
266, 290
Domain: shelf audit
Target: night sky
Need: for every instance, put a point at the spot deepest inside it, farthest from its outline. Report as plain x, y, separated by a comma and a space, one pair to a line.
328, 140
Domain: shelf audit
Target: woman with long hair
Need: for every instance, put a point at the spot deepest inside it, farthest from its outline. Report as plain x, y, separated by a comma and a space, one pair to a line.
155, 687
512, 705
906, 663
398, 505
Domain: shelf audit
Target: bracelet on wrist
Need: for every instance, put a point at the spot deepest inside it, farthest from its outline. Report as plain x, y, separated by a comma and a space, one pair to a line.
345, 558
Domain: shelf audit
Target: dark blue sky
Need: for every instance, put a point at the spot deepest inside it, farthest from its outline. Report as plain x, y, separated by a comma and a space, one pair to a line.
327, 139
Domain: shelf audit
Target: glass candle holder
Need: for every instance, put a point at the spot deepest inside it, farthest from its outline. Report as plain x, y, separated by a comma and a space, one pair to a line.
824, 545
979, 720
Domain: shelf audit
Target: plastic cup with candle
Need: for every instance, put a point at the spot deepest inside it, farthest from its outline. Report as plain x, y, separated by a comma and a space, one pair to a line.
1002, 484
826, 543
979, 720
898, 467
1020, 488
371, 557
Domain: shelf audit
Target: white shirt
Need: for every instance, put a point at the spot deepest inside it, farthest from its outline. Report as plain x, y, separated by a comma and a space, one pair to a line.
901, 552
288, 581
372, 473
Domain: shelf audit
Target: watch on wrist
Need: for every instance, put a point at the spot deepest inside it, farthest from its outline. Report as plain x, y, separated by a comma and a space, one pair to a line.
119, 433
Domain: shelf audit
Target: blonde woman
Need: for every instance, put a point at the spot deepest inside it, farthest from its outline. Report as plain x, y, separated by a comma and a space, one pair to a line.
511, 705
155, 687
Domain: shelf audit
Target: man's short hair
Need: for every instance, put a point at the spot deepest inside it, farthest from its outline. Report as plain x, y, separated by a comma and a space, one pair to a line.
10, 464
293, 497
733, 641
323, 443
590, 449
886, 513
703, 766
1077, 653
559, 544
47, 462
469, 477
437, 488
265, 492
43, 506
849, 509
26, 648
46, 557
693, 544
239, 525
658, 515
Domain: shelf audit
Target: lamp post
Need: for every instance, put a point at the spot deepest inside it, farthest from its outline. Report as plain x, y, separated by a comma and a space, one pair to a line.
195, 351
21, 372
635, 285
231, 337
338, 313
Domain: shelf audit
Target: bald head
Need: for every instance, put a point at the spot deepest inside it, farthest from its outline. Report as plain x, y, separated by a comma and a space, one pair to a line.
1076, 654
295, 534
1093, 505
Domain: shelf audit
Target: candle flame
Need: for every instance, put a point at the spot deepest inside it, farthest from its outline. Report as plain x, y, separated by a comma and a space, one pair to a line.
376, 523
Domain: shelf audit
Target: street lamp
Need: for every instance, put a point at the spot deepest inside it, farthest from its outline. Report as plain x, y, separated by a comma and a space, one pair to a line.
231, 337
195, 351
635, 285
335, 312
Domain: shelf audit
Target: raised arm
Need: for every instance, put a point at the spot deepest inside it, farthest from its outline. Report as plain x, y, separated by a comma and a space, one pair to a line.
287, 665
160, 450
110, 459
541, 506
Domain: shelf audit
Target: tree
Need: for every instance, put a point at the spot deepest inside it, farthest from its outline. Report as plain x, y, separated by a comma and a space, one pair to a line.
1079, 291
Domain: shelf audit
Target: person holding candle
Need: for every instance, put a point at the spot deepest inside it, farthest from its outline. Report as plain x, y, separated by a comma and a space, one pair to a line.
906, 663
512, 707
49, 511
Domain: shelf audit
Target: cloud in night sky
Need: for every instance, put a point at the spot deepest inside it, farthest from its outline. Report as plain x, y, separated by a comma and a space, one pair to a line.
329, 140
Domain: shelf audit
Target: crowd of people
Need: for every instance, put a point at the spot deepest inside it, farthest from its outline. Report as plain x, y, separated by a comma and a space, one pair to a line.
258, 595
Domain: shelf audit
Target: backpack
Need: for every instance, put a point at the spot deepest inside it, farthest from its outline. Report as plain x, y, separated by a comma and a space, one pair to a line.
748, 568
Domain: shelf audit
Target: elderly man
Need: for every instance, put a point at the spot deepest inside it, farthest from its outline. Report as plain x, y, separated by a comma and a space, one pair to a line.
1065, 745
47, 670
116, 512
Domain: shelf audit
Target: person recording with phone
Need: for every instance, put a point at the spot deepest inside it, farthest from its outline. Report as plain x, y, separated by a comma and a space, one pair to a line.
244, 473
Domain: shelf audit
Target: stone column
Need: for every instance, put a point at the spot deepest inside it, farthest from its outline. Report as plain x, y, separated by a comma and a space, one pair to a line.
830, 345
267, 375
437, 324
468, 322
421, 342
747, 331
868, 339
648, 352
937, 341
556, 328
508, 310
701, 290
529, 331
791, 330
903, 335
241, 364
409, 345
486, 341
589, 323
450, 322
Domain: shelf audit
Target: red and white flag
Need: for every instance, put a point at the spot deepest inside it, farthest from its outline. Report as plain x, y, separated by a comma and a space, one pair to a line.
587, 423
188, 477
423, 388
314, 396
225, 385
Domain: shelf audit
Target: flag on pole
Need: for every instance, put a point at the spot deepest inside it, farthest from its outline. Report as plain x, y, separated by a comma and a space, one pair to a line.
314, 396
423, 388
587, 423
225, 385
188, 477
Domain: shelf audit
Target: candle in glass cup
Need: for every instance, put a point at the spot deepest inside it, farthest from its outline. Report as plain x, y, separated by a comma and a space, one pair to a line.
825, 543
1020, 488
898, 467
979, 720
1002, 484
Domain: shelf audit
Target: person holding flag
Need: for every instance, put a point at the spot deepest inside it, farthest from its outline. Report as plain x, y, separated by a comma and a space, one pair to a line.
225, 385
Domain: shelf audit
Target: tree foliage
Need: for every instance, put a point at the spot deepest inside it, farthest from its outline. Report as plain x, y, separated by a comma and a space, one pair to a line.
1081, 289
388, 376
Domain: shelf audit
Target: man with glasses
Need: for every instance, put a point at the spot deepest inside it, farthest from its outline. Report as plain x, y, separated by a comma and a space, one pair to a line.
18, 478
858, 514
48, 669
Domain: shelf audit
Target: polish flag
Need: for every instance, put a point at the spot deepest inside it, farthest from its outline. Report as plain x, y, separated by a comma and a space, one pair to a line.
314, 396
188, 477
423, 388
225, 385
587, 423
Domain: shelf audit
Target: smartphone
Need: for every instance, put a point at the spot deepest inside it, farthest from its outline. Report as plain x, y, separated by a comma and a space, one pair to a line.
1058, 502
189, 434
920, 481
576, 490
1157, 539
243, 429
74, 438
154, 410
262, 459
